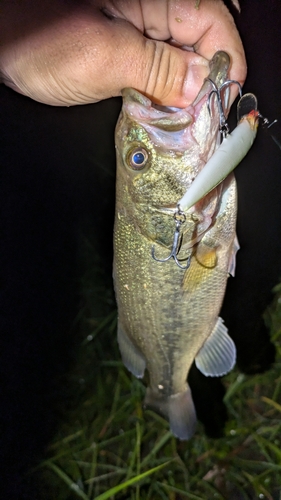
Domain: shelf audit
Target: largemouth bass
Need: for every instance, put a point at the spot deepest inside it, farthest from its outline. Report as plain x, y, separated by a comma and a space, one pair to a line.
167, 315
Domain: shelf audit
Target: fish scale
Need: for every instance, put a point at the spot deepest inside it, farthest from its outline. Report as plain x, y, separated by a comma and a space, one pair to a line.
167, 316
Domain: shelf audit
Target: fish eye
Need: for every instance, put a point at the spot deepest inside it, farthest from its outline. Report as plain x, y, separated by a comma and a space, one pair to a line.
137, 158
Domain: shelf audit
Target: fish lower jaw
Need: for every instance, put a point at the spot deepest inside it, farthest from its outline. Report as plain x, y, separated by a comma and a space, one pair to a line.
166, 209
170, 209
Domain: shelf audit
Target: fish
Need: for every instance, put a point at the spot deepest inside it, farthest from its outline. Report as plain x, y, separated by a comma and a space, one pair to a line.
168, 316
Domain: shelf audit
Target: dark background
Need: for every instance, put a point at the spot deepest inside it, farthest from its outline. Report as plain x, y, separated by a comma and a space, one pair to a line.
57, 168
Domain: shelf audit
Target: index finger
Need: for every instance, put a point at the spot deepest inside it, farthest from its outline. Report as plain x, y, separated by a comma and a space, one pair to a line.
207, 30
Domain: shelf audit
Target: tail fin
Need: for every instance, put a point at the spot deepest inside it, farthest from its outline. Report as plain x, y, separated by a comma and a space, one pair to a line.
177, 408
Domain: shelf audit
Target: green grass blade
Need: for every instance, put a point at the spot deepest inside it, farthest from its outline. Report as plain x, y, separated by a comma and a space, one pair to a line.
269, 401
234, 387
168, 435
133, 480
262, 442
183, 493
277, 390
102, 324
93, 468
70, 483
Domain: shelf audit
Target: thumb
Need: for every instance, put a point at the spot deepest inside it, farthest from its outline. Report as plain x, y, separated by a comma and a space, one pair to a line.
166, 74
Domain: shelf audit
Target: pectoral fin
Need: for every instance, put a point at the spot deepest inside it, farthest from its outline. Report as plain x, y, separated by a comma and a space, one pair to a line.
218, 354
178, 409
206, 256
232, 260
131, 356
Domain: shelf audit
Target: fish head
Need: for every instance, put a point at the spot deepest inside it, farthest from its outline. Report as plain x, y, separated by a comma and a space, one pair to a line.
160, 151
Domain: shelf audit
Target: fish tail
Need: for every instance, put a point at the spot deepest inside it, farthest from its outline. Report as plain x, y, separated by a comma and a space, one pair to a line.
177, 408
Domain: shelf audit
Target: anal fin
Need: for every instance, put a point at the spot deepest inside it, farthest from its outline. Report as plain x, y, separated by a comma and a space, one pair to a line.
177, 408
131, 356
217, 356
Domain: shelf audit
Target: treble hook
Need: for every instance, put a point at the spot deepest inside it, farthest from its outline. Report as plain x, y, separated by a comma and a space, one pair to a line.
224, 128
179, 218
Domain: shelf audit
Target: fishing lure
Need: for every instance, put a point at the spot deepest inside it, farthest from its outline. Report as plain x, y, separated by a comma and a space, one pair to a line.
232, 150
229, 154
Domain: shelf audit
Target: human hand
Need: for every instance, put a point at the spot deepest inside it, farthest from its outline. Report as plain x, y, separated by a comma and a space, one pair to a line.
76, 52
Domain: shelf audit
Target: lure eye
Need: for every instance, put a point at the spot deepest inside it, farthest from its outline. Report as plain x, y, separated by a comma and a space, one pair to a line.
138, 158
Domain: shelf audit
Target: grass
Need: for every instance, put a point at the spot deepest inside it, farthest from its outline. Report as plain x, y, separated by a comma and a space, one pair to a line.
108, 448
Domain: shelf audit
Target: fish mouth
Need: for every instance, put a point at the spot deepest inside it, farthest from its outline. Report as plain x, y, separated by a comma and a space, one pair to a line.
172, 210
166, 209
173, 128
172, 118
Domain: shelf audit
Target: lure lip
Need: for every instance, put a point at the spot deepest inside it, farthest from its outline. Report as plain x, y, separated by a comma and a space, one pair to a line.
253, 119
247, 104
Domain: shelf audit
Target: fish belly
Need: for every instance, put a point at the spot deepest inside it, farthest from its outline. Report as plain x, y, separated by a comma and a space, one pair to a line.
166, 313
